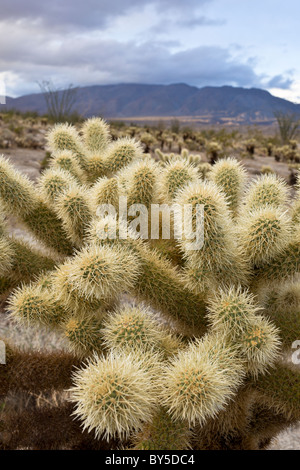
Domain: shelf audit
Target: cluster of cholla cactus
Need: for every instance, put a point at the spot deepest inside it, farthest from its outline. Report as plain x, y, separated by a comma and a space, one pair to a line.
170, 347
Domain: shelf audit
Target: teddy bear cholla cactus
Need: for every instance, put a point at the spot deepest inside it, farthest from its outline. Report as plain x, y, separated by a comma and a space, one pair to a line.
194, 356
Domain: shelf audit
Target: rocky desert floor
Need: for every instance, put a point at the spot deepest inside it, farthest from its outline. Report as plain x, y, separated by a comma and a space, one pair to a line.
28, 161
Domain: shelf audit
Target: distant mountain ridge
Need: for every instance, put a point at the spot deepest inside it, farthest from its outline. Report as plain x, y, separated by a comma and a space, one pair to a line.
213, 104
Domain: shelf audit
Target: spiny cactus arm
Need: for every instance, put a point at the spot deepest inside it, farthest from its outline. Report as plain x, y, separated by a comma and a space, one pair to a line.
65, 160
283, 266
200, 381
27, 262
120, 153
163, 433
229, 175
114, 395
34, 371
279, 390
103, 272
158, 282
104, 191
95, 167
139, 180
96, 134
132, 329
175, 176
17, 193
270, 190
219, 260
71, 299
43, 222
264, 233
73, 208
33, 304
83, 334
282, 305
19, 197
65, 137
53, 182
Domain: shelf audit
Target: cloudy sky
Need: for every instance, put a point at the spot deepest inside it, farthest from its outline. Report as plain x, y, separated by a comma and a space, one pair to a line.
249, 43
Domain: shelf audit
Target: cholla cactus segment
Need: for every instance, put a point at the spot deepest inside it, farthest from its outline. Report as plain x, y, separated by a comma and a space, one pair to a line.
73, 300
139, 182
65, 137
229, 175
113, 396
232, 311
260, 344
17, 193
48, 228
175, 176
73, 208
65, 160
83, 334
6, 256
163, 433
219, 257
263, 234
53, 182
28, 262
133, 328
122, 152
296, 211
95, 167
31, 304
279, 390
96, 134
268, 190
282, 305
196, 387
104, 191
283, 265
101, 272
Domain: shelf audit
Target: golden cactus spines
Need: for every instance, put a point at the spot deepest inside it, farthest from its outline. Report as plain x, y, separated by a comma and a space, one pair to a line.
53, 182
122, 152
113, 396
83, 334
175, 176
229, 175
104, 191
196, 387
31, 304
102, 272
264, 233
96, 134
134, 328
232, 311
65, 137
65, 160
260, 344
73, 208
17, 193
270, 190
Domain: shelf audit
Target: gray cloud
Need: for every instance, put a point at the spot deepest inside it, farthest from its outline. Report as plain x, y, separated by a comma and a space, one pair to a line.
279, 81
89, 13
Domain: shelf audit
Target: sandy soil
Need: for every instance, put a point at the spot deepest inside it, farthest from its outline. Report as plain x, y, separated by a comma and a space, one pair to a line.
28, 161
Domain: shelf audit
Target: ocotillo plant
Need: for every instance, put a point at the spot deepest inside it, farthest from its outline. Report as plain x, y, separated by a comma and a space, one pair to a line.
175, 341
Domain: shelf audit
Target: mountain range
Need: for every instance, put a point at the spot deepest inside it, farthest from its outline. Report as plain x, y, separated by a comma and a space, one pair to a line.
224, 104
